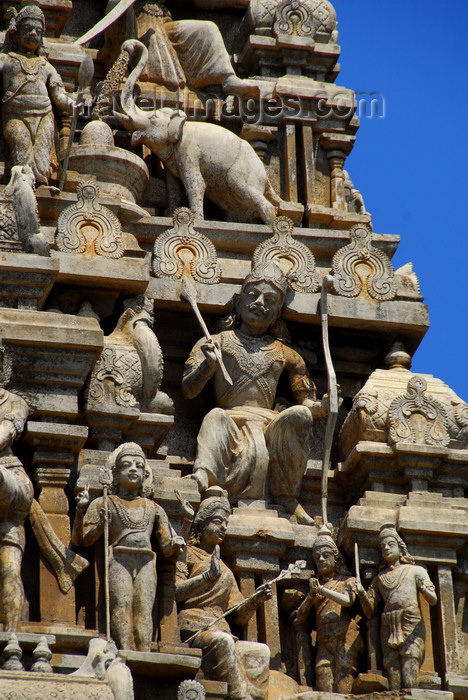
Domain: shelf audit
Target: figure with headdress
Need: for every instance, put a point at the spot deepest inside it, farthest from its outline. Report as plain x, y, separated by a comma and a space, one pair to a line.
402, 630
332, 594
16, 496
133, 519
245, 445
31, 87
205, 590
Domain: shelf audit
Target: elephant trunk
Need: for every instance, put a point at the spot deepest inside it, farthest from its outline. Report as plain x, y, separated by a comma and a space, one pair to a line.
134, 118
151, 358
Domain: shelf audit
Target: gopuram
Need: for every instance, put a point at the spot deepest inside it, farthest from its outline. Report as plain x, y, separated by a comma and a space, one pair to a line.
219, 477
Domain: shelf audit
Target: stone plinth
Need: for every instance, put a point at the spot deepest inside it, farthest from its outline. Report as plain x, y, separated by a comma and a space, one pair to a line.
120, 173
403, 468
276, 56
43, 686
25, 280
52, 355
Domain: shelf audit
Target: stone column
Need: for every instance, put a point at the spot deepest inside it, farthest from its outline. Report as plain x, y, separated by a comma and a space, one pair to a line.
167, 608
289, 190
448, 620
308, 163
55, 606
259, 137
54, 448
336, 159
247, 587
337, 147
270, 625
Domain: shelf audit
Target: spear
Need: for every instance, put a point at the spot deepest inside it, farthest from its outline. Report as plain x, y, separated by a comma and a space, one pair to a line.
292, 570
327, 284
189, 293
105, 477
85, 76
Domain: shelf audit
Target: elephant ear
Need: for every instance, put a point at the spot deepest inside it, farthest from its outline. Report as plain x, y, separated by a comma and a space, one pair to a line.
175, 126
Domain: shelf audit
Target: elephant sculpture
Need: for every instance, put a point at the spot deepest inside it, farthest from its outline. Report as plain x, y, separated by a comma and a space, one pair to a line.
207, 158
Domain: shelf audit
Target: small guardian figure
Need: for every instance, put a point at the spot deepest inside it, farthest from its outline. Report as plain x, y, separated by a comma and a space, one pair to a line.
339, 642
402, 631
133, 519
31, 87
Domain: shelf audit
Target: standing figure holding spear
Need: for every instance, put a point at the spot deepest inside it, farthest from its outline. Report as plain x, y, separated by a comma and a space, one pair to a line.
130, 518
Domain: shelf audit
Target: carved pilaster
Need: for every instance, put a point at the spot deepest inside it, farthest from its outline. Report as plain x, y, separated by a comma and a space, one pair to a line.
289, 190
56, 606
448, 621
336, 160
55, 446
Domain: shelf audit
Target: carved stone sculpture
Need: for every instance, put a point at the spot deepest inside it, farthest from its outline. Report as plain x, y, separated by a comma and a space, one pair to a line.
103, 663
133, 519
9, 239
294, 18
348, 278
183, 247
289, 254
402, 631
244, 444
130, 369
16, 495
208, 158
354, 199
424, 409
206, 589
89, 227
417, 417
21, 190
181, 52
190, 690
31, 85
315, 19
338, 638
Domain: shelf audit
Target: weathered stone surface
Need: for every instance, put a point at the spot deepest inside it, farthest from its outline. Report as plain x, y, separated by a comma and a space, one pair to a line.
403, 444
29, 686
400, 585
204, 156
377, 411
31, 85
271, 448
133, 519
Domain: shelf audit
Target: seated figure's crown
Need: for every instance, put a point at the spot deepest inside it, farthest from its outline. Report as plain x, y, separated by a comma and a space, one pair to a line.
268, 272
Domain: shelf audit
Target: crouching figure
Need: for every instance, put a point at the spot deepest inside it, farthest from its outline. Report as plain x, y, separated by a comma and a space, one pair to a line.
206, 589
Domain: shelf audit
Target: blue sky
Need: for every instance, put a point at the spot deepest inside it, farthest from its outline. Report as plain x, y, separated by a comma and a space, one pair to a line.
411, 165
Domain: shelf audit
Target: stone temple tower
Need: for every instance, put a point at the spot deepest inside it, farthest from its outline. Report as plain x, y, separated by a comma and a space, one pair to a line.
219, 477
